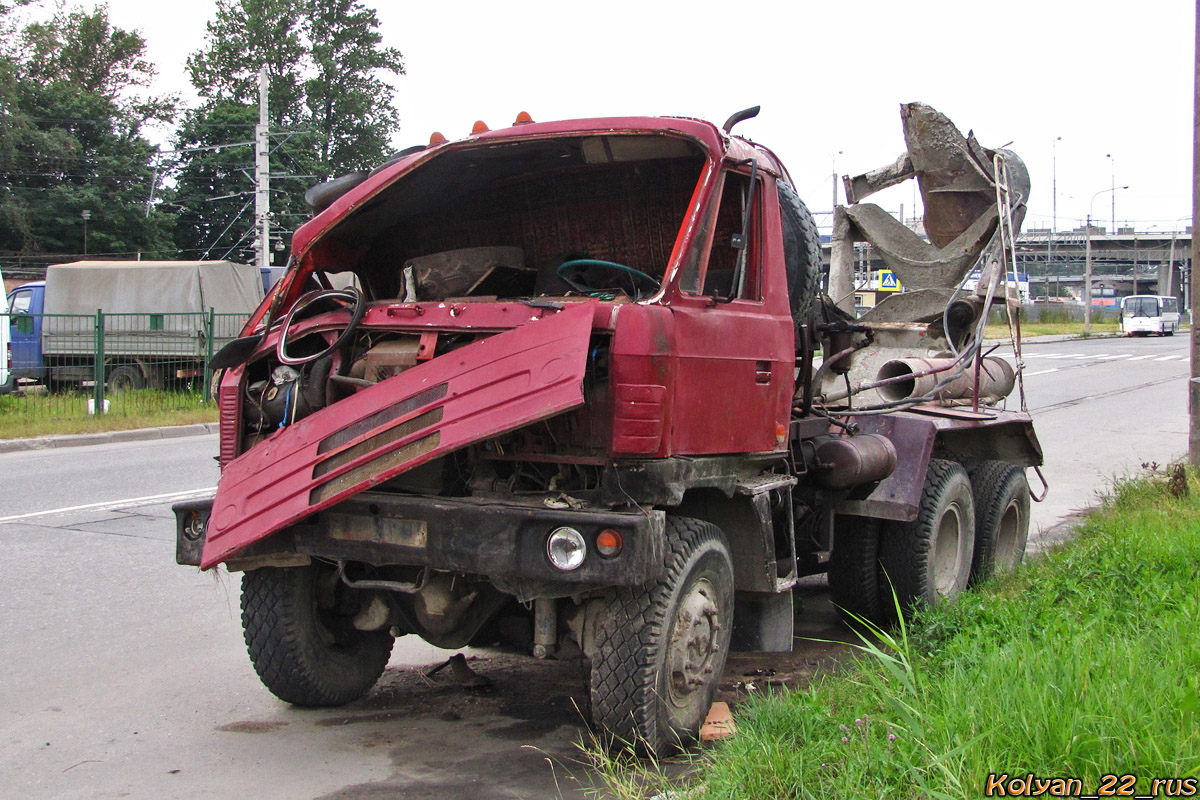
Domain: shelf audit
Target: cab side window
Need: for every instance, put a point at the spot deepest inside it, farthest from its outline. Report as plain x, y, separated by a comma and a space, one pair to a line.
733, 264
20, 302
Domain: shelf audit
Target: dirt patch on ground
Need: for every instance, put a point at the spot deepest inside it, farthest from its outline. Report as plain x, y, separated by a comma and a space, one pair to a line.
523, 734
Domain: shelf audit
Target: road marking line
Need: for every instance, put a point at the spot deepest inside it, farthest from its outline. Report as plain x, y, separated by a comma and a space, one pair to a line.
1140, 358
1118, 355
1042, 372
1064, 355
1082, 356
1041, 355
1169, 358
109, 505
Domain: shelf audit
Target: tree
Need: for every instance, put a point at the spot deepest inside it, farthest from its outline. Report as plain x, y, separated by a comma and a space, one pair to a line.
243, 37
351, 110
72, 114
330, 110
213, 192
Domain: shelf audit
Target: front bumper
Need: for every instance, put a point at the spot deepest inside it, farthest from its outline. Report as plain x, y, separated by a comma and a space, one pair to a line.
489, 538
1141, 325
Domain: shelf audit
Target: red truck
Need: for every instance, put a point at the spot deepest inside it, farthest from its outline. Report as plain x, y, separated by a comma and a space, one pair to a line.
572, 401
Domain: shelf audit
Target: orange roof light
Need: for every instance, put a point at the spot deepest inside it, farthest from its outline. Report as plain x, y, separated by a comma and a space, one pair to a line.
523, 118
480, 127
437, 138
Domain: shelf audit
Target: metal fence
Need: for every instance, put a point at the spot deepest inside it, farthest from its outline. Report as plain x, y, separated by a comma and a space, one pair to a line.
68, 366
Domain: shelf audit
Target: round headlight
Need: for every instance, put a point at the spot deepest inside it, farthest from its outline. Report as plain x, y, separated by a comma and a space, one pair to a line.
566, 549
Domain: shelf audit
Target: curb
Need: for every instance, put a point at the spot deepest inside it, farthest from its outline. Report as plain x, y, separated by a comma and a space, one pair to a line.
85, 439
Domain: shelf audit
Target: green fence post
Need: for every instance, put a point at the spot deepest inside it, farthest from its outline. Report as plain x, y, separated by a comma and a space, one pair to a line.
208, 354
98, 363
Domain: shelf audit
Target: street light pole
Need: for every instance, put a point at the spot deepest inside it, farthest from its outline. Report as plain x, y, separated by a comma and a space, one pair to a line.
86, 214
1087, 276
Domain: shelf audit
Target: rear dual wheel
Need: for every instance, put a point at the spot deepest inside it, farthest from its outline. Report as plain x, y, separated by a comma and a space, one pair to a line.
929, 559
855, 586
1001, 517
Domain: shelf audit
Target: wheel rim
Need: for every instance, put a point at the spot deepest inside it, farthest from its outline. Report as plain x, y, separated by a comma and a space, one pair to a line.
947, 553
694, 644
1008, 533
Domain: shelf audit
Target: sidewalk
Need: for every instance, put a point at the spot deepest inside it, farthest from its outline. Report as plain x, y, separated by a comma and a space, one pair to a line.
83, 439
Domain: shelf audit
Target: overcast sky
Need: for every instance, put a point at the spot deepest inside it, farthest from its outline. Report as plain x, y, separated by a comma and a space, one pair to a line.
1112, 78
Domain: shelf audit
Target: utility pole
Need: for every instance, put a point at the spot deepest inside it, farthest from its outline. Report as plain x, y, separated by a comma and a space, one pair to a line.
1135, 260
262, 176
1087, 274
1112, 162
1194, 383
1054, 206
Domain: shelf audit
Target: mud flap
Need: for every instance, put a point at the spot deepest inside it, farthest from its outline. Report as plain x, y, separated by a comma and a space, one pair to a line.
502, 383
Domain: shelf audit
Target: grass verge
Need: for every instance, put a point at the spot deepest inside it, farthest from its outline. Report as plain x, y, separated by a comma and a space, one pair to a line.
1051, 329
1080, 665
30, 414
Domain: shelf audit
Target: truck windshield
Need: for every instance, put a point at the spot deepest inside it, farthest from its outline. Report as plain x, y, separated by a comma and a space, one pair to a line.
498, 219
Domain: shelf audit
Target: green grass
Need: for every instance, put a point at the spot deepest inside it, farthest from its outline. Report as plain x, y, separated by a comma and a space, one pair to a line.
1050, 329
1081, 664
30, 414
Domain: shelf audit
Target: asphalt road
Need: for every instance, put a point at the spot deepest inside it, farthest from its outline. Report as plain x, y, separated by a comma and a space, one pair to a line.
1102, 409
126, 676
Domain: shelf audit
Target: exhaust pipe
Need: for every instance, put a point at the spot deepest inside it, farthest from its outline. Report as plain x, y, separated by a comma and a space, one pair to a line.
916, 377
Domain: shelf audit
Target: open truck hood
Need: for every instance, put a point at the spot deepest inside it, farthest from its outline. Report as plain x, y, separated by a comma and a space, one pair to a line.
478, 391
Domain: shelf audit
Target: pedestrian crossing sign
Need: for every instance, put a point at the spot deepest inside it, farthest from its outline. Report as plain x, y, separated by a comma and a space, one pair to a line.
887, 281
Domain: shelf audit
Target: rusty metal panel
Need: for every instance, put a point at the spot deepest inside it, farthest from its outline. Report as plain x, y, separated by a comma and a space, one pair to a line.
484, 389
1005, 435
898, 496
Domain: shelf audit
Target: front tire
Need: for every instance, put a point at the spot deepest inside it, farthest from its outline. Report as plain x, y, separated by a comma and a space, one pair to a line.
929, 559
661, 648
299, 632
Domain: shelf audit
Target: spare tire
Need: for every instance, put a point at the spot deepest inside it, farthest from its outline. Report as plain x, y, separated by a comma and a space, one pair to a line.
801, 252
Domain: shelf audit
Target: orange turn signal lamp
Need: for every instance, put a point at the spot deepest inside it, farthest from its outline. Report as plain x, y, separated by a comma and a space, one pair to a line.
437, 138
609, 542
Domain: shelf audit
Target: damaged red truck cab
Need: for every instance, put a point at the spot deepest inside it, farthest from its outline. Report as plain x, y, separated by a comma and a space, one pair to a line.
560, 401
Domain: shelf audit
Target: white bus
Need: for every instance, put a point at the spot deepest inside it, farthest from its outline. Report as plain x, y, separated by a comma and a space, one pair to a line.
1149, 313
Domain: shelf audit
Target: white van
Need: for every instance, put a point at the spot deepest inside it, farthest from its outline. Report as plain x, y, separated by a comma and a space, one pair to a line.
1149, 313
6, 377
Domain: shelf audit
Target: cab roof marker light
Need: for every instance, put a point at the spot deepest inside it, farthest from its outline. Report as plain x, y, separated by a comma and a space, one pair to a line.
479, 127
523, 118
437, 138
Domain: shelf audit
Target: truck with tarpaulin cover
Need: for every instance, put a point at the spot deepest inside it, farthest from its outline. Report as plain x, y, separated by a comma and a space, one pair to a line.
576, 402
158, 318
